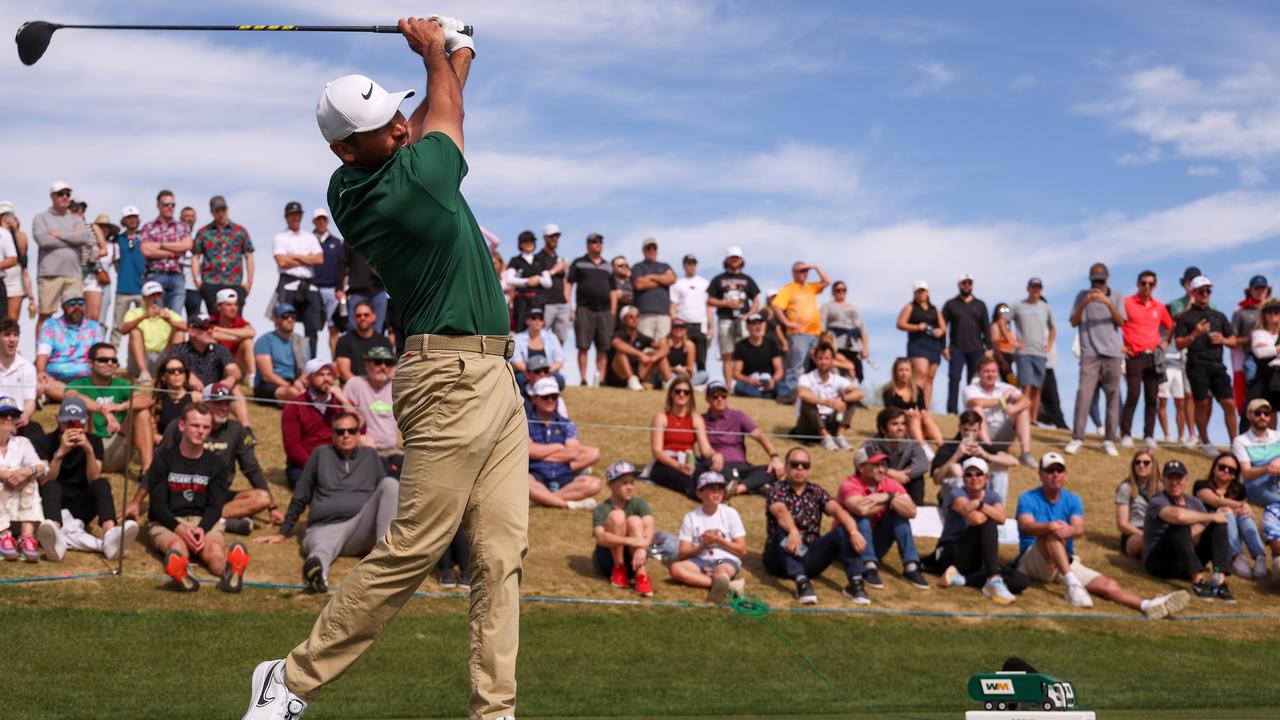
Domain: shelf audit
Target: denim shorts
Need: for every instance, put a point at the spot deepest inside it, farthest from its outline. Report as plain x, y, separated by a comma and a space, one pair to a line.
1030, 370
1271, 523
709, 565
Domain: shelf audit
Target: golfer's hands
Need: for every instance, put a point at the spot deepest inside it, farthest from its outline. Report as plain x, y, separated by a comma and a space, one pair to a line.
454, 40
425, 36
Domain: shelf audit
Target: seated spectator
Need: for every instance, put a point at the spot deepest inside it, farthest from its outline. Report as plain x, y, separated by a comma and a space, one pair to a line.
757, 361
883, 510
21, 472
969, 548
112, 402
234, 445
62, 353
1005, 409
1050, 518
171, 394
280, 356
1223, 492
682, 358
795, 547
673, 435
1132, 495
1180, 537
907, 461
947, 464
209, 362
1258, 451
370, 394
233, 332
536, 369
623, 529
151, 329
556, 457
633, 356
308, 423
727, 431
902, 392
188, 489
18, 380
713, 541
352, 503
825, 401
534, 342
355, 344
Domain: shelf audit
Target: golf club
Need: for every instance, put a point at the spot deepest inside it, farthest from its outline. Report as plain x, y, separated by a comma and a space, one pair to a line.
34, 36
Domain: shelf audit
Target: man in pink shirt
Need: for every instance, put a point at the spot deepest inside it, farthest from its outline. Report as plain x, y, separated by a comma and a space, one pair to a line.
1145, 317
883, 510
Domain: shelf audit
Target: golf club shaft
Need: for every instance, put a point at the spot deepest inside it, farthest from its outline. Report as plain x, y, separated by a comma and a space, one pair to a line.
268, 28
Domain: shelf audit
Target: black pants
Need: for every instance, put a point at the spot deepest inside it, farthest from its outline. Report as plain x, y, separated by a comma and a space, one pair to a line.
1176, 555
1051, 403
694, 331
976, 556
965, 361
812, 423
84, 501
672, 479
915, 489
1140, 370
310, 307
819, 556
458, 553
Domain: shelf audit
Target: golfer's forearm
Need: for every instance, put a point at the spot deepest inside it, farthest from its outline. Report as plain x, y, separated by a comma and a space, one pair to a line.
460, 61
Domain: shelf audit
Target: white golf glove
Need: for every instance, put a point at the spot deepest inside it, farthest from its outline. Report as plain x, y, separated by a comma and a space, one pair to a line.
454, 40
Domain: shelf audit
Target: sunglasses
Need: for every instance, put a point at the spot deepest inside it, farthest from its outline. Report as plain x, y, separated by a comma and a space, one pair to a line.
107, 360
799, 464
175, 370
682, 391
838, 290
975, 473
63, 193
74, 303
1204, 291
1262, 412
380, 363
345, 431
1147, 283
552, 396
1054, 471
597, 241
718, 396
1141, 462
168, 204
1232, 469
10, 416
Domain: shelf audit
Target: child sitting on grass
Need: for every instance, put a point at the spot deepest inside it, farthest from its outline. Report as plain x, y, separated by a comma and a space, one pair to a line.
712, 542
623, 529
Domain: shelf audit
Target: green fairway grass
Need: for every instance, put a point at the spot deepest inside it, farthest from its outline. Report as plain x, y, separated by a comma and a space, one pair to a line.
615, 663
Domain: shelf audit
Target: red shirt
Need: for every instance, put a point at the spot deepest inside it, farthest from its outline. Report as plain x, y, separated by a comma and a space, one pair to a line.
1141, 329
679, 435
236, 323
307, 427
853, 486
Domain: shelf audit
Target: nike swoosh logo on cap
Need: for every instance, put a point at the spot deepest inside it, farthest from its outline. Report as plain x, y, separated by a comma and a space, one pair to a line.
263, 699
367, 94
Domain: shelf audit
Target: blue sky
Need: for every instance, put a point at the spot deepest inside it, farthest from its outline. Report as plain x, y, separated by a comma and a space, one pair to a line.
887, 142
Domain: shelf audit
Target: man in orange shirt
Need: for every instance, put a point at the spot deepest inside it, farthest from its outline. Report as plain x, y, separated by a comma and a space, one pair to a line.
1145, 317
796, 307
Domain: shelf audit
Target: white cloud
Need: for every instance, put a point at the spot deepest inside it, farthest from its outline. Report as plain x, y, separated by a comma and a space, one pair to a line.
1251, 175
933, 76
808, 171
1204, 170
1146, 157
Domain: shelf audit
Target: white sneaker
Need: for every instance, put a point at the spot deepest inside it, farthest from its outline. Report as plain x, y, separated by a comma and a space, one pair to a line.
1209, 450
53, 544
1126, 441
1109, 448
1260, 567
829, 443
269, 699
78, 538
118, 538
1073, 447
738, 587
951, 577
1189, 442
843, 444
1240, 567
1166, 605
1078, 596
719, 589
588, 504
633, 383
1150, 444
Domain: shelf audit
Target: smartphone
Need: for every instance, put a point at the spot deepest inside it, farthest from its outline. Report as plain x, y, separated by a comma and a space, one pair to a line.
970, 436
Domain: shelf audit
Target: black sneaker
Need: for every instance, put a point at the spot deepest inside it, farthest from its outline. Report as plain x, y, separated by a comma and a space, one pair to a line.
871, 576
804, 591
916, 579
238, 526
448, 577
856, 592
1204, 591
1224, 593
313, 576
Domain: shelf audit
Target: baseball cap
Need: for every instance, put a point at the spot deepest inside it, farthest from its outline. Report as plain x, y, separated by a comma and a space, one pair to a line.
73, 408
976, 462
619, 469
1099, 272
202, 321
226, 295
8, 404
5, 207
691, 258
550, 229
546, 386
354, 103
58, 186
1035, 282
1174, 467
1050, 459
717, 386
649, 242
1259, 281
70, 294
1257, 403
129, 210
535, 311
319, 213
1272, 304
710, 477
378, 352
627, 309
733, 251
677, 322
1189, 274
282, 309
216, 392
864, 456
151, 287
756, 317
217, 202
594, 237
102, 219
537, 362
315, 365
1200, 281
293, 206
919, 285
965, 277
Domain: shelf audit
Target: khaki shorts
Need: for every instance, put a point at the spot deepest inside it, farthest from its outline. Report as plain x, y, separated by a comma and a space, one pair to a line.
1037, 567
115, 453
51, 289
161, 535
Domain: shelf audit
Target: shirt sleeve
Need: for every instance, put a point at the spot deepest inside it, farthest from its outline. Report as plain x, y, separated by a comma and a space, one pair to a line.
570, 429
157, 478
736, 528
1077, 506
247, 459
219, 489
301, 495
686, 528
1123, 494
438, 166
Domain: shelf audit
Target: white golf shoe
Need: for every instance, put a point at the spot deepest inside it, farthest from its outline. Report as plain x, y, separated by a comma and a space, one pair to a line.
269, 699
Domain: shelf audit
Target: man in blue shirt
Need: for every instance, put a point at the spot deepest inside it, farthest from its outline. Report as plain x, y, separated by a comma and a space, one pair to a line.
556, 457
130, 267
1050, 518
280, 356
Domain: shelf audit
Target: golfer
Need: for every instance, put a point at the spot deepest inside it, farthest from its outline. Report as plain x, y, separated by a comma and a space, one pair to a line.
396, 200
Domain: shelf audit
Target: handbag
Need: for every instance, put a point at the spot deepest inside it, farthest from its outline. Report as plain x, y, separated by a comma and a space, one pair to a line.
104, 278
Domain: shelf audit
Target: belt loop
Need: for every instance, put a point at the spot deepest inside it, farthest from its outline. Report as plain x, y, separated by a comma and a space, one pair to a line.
482, 345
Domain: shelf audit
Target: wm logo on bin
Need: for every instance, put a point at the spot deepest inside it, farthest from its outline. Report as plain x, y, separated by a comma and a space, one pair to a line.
997, 687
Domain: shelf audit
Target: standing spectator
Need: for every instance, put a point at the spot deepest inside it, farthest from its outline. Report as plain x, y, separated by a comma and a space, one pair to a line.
926, 331
1265, 345
734, 295
689, 303
634, 357
906, 460
555, 304
756, 361
713, 541
370, 394
1144, 343
62, 354
233, 332
653, 279
355, 344
191, 291
21, 472
1222, 491
151, 328
60, 235
674, 435
1258, 451
947, 466
527, 274
358, 282
326, 273
1005, 411
222, 257
903, 393
622, 280
623, 530
112, 403
883, 510
17, 283
308, 423
796, 308
1175, 309
597, 305
1036, 332
209, 362
131, 265
1132, 495
556, 458
966, 317
794, 545
1243, 321
843, 319
1099, 318
95, 276
297, 255
1003, 342
727, 431
533, 342
280, 356
1180, 536
825, 401
969, 547
17, 376
164, 241
1203, 332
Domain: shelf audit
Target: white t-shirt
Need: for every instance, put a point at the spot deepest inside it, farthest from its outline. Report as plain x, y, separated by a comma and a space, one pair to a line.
18, 381
828, 389
690, 297
994, 415
1257, 449
725, 519
8, 249
1263, 346
297, 243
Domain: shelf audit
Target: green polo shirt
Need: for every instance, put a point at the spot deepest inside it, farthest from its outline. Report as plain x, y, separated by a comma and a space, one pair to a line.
409, 220
116, 391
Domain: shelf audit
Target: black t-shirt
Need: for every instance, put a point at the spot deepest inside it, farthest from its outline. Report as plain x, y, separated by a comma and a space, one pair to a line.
182, 486
655, 300
949, 452
72, 471
756, 359
640, 342
353, 347
1235, 491
1201, 351
554, 294
892, 399
594, 282
171, 407
527, 269
727, 286
968, 322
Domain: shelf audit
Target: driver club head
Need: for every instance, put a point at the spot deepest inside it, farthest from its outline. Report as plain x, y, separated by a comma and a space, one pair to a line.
33, 39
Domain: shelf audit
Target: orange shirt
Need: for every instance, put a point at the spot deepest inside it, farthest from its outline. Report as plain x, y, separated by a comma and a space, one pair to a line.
800, 304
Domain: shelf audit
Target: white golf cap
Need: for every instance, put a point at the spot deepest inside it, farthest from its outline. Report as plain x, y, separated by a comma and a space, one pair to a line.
319, 213
315, 365
965, 277
550, 229
129, 210
546, 386
58, 186
976, 462
354, 103
1200, 281
151, 287
5, 207
226, 295
733, 251
919, 285
1050, 459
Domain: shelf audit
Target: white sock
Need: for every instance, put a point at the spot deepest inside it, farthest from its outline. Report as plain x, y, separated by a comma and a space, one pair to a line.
1071, 580
1146, 604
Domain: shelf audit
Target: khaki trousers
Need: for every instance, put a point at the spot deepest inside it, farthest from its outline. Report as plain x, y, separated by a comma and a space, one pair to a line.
466, 461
